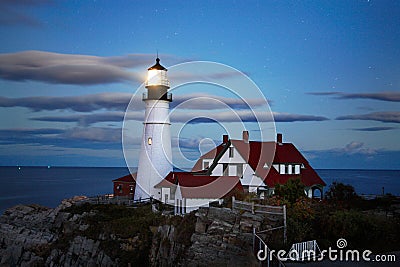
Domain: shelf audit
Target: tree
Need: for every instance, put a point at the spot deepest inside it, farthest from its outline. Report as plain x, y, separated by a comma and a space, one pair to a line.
291, 191
341, 192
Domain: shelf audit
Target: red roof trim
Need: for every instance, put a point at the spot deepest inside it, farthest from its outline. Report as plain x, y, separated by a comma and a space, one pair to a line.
130, 178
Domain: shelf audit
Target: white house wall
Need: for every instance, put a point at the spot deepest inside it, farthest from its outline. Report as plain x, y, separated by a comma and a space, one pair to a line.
218, 170
195, 203
237, 158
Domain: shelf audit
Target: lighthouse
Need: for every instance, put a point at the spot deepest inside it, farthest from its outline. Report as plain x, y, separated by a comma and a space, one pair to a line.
155, 159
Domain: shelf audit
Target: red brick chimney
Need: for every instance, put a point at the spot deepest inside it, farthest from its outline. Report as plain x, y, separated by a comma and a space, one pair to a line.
225, 138
245, 135
279, 138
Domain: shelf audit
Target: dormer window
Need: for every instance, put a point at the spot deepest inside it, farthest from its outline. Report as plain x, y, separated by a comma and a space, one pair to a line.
231, 149
206, 164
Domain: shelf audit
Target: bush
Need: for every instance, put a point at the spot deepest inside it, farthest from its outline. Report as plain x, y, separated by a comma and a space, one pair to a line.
341, 192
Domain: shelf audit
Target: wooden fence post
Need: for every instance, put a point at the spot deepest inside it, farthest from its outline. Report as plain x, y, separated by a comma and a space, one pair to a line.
252, 207
284, 225
233, 202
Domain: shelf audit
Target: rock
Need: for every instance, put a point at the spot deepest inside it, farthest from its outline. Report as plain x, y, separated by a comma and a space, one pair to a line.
200, 227
31, 235
222, 214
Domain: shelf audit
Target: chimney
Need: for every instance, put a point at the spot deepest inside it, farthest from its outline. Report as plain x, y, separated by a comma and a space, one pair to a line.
225, 138
245, 136
279, 138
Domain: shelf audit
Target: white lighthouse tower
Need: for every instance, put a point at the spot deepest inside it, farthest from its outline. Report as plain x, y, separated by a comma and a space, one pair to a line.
155, 160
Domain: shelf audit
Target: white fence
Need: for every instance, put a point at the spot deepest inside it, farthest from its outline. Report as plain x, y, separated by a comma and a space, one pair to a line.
111, 199
307, 250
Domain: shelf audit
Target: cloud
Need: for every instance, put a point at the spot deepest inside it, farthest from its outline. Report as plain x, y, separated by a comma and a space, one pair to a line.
388, 116
241, 116
287, 117
68, 69
356, 148
393, 96
82, 103
373, 129
96, 134
77, 137
25, 131
178, 116
88, 119
11, 14
120, 101
352, 148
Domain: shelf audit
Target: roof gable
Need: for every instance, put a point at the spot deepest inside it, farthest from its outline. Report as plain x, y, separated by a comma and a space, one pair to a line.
130, 178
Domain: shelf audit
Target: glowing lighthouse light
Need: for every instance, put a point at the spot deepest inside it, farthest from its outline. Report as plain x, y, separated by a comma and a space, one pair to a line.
157, 75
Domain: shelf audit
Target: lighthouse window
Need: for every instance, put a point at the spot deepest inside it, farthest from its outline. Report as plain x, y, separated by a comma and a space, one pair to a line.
149, 141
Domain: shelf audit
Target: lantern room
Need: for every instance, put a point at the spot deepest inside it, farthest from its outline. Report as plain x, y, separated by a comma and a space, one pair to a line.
157, 83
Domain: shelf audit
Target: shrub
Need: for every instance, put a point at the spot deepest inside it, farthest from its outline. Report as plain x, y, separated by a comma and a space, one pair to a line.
291, 191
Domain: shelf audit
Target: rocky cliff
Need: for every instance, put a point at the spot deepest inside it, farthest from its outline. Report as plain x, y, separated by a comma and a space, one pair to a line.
108, 235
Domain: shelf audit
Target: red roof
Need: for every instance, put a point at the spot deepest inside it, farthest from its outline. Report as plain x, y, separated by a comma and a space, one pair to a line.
195, 185
130, 178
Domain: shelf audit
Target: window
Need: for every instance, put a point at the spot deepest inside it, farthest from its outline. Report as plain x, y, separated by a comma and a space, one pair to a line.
231, 152
119, 188
225, 169
297, 169
206, 163
289, 168
149, 141
282, 169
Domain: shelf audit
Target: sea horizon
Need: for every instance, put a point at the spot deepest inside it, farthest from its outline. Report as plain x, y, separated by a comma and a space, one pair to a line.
48, 186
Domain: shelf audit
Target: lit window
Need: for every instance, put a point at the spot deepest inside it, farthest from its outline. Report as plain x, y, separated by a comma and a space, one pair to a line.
149, 141
231, 152
119, 188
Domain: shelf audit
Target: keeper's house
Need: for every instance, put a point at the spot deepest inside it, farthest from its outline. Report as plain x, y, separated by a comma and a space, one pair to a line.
258, 168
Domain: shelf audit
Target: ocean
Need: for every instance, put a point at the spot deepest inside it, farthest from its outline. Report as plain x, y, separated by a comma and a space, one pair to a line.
48, 186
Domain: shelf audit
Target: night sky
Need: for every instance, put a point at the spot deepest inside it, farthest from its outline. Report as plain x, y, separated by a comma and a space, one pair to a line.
329, 69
